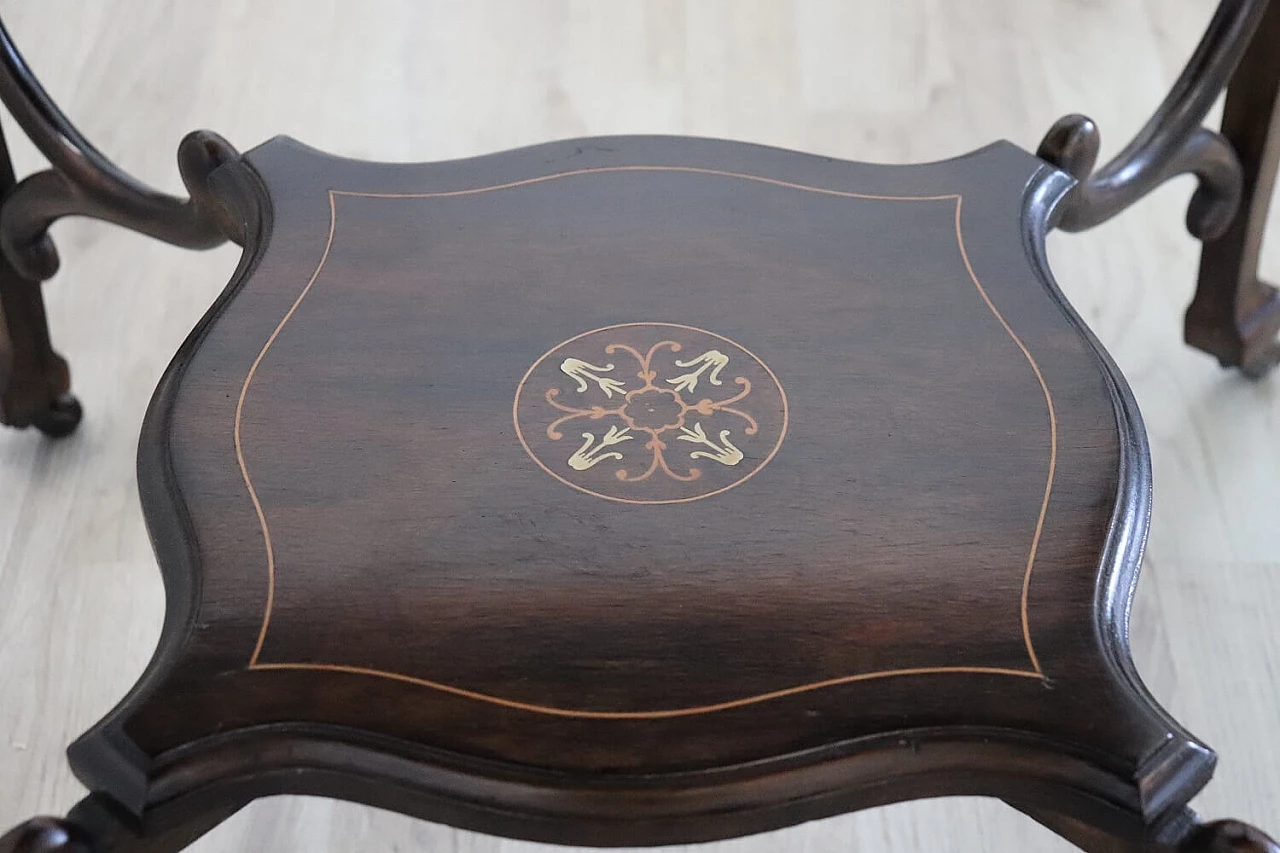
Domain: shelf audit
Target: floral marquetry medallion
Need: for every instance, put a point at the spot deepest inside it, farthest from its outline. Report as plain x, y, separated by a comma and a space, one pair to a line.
650, 413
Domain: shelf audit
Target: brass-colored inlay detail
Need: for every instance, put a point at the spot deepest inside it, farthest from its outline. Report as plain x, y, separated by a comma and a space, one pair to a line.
255, 664
665, 714
624, 395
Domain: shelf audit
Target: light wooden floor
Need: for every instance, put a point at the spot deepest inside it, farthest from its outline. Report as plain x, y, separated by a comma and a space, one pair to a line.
910, 80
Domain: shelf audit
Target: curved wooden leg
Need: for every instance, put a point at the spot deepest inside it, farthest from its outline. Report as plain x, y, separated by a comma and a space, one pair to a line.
46, 835
1180, 833
35, 383
95, 825
1234, 315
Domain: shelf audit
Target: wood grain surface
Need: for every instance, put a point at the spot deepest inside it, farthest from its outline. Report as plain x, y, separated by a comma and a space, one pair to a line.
424, 83
909, 580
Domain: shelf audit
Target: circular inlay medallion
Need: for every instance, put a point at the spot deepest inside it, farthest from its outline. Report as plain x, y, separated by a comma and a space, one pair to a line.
650, 413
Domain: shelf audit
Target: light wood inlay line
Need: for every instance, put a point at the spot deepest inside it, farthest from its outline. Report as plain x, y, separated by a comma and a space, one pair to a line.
647, 715
1036, 670
687, 169
1053, 440
244, 469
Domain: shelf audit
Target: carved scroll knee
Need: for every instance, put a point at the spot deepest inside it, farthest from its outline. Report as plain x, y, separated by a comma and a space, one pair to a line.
34, 381
1235, 316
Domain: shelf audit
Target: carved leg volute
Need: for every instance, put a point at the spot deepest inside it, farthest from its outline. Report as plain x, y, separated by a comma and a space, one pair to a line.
1235, 316
34, 381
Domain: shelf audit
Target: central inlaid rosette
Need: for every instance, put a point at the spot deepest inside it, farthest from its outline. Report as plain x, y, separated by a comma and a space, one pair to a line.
664, 413
654, 409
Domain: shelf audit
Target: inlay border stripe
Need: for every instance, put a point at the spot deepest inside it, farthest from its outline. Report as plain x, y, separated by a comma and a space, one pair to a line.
255, 662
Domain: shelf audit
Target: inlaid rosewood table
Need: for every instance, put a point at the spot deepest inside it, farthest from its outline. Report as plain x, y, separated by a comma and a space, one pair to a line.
648, 490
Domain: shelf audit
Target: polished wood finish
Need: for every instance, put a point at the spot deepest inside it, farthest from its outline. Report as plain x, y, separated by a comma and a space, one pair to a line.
83, 598
377, 593
1235, 315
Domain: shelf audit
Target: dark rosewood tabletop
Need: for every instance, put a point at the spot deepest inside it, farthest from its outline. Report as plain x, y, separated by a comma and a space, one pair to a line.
642, 490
